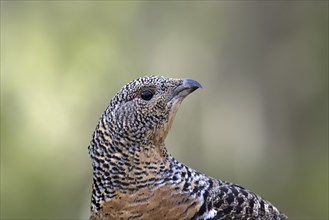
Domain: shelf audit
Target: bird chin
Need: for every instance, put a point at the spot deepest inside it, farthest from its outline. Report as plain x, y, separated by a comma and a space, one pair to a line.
162, 131
175, 104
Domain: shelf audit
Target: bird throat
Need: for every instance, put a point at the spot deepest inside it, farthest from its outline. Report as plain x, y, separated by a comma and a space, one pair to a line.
163, 131
121, 168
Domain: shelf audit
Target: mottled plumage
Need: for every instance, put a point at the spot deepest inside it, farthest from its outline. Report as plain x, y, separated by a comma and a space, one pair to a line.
134, 176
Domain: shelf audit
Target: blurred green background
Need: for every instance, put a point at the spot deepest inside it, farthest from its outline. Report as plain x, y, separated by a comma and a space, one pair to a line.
261, 120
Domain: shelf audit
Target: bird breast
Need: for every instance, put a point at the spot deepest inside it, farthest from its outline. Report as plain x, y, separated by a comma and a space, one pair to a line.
162, 202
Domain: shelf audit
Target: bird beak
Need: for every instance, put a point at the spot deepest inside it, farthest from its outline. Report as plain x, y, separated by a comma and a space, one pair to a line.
186, 88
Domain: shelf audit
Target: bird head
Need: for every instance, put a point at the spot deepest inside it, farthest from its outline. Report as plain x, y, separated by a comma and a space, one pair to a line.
144, 109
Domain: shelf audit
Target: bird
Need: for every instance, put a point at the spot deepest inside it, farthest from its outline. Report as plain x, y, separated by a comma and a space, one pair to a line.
134, 175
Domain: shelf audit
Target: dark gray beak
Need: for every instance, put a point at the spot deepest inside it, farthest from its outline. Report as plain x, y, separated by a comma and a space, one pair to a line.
186, 88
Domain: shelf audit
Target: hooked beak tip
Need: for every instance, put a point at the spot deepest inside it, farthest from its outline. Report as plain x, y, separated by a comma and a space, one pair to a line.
187, 87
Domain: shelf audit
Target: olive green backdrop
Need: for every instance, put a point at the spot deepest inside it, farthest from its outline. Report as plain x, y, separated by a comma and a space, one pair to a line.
261, 120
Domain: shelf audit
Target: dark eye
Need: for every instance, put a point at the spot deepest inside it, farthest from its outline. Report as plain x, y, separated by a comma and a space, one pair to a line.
147, 94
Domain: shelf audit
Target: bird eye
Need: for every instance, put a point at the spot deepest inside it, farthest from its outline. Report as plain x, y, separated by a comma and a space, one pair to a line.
147, 94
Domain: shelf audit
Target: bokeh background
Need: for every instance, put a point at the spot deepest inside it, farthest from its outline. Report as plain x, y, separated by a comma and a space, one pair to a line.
261, 120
